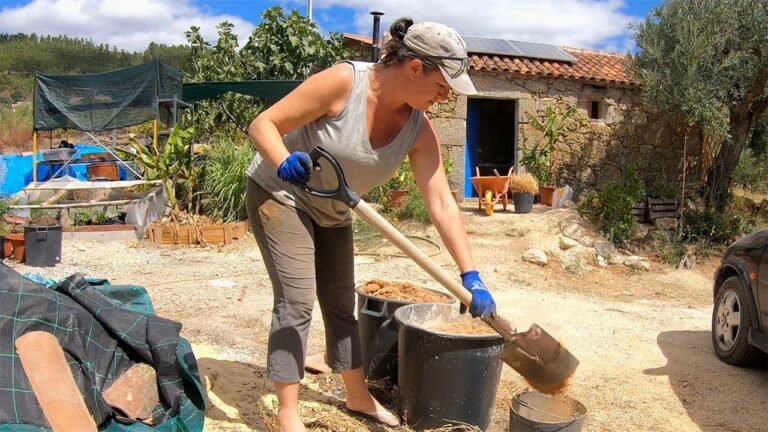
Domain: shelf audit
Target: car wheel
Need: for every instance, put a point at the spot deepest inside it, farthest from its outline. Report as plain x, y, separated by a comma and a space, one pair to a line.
731, 320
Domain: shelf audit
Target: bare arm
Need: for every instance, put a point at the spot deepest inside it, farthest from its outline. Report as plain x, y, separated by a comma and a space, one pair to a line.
325, 93
427, 166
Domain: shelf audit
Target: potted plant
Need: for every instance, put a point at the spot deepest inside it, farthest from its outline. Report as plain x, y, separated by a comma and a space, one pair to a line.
555, 122
523, 187
400, 185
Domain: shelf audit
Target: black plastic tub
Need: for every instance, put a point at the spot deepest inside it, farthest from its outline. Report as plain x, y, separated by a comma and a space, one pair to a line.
523, 202
42, 245
378, 333
445, 378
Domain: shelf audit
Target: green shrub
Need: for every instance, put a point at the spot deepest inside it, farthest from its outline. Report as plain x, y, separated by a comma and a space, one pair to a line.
714, 227
223, 182
610, 208
5, 208
752, 172
413, 208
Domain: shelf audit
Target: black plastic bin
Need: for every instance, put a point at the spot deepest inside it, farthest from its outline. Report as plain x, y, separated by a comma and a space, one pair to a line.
42, 245
378, 334
445, 379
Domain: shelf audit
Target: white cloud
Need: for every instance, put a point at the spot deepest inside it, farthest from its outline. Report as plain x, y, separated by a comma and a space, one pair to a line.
576, 23
129, 25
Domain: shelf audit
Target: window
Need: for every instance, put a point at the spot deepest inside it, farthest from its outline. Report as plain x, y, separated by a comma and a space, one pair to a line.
595, 110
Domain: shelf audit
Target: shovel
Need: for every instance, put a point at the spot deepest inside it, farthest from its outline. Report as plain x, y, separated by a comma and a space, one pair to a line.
534, 354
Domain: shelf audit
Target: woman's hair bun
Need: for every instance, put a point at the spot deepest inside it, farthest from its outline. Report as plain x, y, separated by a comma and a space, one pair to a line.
400, 27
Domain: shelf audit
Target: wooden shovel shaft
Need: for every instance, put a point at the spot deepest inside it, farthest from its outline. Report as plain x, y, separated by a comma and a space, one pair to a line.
391, 233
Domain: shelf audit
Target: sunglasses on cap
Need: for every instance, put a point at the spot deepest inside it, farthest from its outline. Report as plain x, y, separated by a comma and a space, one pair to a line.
453, 69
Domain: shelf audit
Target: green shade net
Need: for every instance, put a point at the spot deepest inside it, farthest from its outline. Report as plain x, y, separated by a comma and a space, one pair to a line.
105, 101
269, 90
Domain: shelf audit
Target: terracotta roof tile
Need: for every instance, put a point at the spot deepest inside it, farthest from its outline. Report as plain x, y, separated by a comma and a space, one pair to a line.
590, 65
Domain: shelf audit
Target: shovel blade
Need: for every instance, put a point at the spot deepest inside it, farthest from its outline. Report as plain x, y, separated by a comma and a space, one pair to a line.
540, 359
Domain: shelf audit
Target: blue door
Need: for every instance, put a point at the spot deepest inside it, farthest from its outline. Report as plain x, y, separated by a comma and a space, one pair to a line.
491, 139
473, 138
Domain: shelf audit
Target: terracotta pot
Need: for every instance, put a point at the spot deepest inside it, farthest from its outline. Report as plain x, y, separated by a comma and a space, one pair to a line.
397, 198
16, 242
545, 194
103, 171
5, 248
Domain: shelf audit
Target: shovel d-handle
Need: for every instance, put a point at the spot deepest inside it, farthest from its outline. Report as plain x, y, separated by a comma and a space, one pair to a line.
342, 192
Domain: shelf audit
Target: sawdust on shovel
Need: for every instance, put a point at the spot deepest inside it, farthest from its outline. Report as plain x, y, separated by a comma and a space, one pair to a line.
402, 291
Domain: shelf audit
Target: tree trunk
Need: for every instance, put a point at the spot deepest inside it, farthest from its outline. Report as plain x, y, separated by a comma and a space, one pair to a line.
721, 172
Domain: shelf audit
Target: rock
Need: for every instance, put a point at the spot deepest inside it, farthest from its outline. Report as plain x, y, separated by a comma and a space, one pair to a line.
573, 264
567, 243
639, 231
688, 262
616, 258
604, 248
601, 262
587, 241
535, 256
518, 232
637, 263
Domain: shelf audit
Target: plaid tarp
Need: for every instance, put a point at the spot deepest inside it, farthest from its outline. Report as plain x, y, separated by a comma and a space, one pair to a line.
104, 329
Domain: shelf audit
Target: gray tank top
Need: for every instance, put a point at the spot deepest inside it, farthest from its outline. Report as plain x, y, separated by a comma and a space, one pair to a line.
345, 136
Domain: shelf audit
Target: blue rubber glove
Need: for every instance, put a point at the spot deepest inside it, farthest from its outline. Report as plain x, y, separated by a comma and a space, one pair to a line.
482, 304
296, 168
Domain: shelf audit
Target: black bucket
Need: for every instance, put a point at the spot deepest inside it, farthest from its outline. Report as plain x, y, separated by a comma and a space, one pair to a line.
378, 333
523, 202
42, 245
445, 378
531, 411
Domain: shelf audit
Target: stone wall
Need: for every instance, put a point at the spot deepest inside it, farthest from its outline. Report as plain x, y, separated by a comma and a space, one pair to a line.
596, 153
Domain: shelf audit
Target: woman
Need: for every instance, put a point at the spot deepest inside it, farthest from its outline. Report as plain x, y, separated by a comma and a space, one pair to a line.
370, 117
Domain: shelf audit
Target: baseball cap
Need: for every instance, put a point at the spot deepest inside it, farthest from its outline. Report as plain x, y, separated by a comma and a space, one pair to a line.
443, 46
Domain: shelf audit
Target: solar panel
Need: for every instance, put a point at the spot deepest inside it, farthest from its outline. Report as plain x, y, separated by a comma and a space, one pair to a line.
490, 46
542, 51
482, 45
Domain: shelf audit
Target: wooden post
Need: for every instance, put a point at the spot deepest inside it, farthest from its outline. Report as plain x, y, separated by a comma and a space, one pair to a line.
685, 168
34, 157
154, 132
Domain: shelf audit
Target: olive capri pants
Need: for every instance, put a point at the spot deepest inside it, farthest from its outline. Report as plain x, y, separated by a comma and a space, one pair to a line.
305, 261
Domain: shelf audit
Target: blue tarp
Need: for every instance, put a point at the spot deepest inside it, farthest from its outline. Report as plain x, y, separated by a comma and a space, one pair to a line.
18, 169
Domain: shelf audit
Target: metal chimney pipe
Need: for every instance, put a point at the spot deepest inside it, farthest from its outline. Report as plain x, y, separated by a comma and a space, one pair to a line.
375, 40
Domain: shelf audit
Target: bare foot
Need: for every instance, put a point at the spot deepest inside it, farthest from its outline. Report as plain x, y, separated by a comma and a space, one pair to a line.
373, 409
290, 421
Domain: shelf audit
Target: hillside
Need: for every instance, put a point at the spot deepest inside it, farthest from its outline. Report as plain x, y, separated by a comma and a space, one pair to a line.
23, 55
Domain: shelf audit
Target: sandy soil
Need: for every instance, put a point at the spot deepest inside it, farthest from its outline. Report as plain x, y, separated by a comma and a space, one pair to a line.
642, 337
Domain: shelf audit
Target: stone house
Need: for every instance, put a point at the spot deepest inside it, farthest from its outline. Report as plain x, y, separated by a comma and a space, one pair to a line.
489, 131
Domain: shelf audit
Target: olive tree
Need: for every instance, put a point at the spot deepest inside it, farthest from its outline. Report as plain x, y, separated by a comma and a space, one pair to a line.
707, 62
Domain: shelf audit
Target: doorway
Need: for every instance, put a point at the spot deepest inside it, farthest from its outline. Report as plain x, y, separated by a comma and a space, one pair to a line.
491, 139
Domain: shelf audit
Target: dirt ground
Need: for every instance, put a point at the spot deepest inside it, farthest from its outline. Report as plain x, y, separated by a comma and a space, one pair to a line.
647, 363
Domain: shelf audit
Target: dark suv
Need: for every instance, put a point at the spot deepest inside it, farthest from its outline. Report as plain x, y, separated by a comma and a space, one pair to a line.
740, 316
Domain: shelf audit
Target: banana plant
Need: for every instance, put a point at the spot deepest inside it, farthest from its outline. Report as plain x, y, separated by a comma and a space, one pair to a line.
170, 163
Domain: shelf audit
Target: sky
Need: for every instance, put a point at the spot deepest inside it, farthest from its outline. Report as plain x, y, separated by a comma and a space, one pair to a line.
131, 24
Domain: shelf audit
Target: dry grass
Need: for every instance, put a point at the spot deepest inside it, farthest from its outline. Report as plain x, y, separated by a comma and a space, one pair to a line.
523, 183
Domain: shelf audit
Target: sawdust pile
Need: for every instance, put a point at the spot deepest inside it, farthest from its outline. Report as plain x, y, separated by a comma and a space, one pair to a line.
402, 291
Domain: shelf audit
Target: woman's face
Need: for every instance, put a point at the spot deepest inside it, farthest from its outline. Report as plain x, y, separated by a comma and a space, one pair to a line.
427, 86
